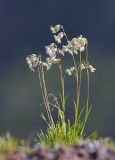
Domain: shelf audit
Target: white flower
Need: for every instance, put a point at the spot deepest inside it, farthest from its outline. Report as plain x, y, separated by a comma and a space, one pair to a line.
32, 61
74, 41
58, 37
51, 50
72, 69
75, 49
44, 64
56, 28
77, 44
92, 69
82, 49
52, 45
60, 52
68, 72
56, 60
69, 45
68, 48
65, 48
70, 51
50, 61
81, 42
82, 66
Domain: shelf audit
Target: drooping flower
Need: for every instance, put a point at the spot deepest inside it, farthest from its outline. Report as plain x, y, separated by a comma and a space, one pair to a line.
67, 48
51, 50
70, 48
70, 51
78, 44
32, 61
56, 60
82, 66
81, 42
74, 41
44, 64
64, 48
50, 61
56, 28
60, 52
75, 49
92, 69
69, 45
70, 71
59, 37
52, 45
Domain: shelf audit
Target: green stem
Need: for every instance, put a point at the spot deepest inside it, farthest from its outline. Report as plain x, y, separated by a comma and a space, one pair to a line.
87, 70
77, 91
78, 85
62, 95
80, 75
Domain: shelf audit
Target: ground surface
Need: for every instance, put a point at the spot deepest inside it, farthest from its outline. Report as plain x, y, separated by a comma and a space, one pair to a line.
82, 151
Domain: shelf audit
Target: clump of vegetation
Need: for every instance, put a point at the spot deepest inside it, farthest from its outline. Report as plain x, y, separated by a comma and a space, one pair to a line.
77, 48
9, 144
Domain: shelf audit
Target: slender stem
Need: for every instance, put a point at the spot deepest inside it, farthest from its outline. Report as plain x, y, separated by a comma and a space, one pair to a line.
45, 94
76, 104
63, 94
46, 97
80, 74
42, 90
76, 75
87, 70
78, 85
87, 111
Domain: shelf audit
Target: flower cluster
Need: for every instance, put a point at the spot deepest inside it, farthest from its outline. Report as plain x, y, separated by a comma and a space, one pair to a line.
71, 70
73, 46
51, 50
32, 61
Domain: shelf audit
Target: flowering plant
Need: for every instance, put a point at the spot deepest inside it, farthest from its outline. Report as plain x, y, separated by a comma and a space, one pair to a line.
77, 48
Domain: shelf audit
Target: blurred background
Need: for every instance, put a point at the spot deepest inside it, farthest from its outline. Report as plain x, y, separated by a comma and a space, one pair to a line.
24, 29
